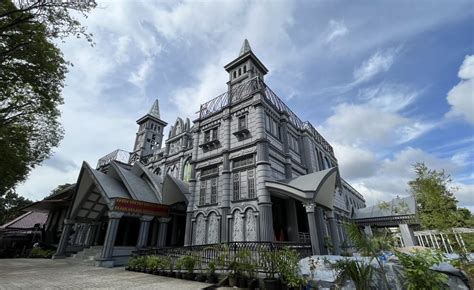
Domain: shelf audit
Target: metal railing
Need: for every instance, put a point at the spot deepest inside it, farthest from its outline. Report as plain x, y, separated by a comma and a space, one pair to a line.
226, 252
119, 155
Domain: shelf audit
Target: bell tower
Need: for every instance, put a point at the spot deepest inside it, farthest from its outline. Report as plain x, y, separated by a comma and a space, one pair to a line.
150, 134
245, 67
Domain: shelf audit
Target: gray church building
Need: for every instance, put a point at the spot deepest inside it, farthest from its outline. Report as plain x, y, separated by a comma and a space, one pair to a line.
247, 168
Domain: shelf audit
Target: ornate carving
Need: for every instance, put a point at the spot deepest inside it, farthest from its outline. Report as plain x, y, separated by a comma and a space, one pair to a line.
309, 206
251, 225
238, 232
213, 236
200, 230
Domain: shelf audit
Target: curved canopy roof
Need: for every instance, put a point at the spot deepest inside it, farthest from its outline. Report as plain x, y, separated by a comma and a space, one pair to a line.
98, 191
317, 187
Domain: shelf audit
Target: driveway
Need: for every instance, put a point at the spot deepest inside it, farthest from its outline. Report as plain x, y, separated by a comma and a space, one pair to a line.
63, 274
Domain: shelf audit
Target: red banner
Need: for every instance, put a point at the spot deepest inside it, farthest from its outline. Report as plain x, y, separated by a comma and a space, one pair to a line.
141, 207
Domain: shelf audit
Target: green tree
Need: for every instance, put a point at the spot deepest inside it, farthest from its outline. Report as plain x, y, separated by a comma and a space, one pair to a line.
10, 205
32, 73
434, 194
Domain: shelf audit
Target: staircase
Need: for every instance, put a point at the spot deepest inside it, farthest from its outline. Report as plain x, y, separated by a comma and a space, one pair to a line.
86, 256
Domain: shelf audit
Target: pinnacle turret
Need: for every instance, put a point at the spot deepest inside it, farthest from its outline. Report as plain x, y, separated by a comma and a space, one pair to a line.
155, 110
245, 47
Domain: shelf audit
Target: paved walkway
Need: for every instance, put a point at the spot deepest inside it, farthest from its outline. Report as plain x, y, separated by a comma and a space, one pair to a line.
62, 274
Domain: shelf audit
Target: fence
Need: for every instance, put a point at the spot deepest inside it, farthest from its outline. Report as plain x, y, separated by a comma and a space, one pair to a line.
227, 252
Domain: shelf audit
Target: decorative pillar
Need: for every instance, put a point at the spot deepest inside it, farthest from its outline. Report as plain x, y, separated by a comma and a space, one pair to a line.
263, 174
407, 235
319, 228
109, 242
63, 242
162, 231
144, 230
313, 232
368, 231
334, 235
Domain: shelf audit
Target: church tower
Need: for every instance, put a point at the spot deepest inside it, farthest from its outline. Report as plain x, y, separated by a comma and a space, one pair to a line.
245, 67
150, 134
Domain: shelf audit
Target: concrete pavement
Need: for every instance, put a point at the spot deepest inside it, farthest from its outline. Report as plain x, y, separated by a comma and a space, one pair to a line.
63, 274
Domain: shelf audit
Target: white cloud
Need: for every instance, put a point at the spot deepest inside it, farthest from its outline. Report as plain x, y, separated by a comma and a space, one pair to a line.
461, 96
392, 175
355, 162
379, 62
336, 29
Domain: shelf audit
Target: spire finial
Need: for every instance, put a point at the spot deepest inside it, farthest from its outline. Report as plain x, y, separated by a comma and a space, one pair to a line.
155, 109
245, 47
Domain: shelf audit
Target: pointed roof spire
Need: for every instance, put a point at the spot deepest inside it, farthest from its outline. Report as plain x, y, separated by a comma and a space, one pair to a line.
155, 110
245, 47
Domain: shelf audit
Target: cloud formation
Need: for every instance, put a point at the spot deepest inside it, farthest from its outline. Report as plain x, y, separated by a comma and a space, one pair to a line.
461, 96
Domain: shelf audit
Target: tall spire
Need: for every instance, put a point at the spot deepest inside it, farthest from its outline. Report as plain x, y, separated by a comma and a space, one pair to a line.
245, 47
155, 110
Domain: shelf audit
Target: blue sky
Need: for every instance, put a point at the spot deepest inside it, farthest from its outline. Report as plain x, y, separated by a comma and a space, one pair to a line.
388, 83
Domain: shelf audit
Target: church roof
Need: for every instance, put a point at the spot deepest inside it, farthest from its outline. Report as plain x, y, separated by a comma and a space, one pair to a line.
245, 47
155, 110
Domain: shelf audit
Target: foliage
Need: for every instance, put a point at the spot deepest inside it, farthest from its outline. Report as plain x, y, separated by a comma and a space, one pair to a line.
436, 204
416, 269
10, 205
288, 267
137, 262
41, 253
154, 263
269, 262
359, 272
32, 73
211, 267
187, 263
372, 247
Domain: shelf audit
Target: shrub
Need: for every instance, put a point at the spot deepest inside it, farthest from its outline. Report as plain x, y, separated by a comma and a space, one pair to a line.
41, 253
188, 263
288, 267
359, 272
417, 272
154, 263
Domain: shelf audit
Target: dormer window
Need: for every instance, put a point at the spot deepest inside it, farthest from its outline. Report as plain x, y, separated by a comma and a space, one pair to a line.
245, 68
235, 74
240, 71
242, 130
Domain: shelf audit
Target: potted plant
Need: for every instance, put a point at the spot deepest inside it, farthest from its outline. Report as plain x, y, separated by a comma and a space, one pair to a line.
189, 263
289, 270
269, 261
211, 272
179, 267
243, 264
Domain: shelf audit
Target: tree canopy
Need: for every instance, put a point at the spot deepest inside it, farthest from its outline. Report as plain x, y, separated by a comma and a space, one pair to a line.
10, 205
32, 73
436, 203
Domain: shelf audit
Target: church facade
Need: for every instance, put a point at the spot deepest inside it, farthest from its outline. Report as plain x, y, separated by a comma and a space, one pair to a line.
246, 169
252, 166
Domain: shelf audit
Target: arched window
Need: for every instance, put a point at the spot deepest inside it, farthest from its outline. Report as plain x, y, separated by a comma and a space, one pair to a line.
187, 171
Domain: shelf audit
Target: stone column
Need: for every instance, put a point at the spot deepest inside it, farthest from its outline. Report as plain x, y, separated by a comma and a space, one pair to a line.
334, 235
368, 231
319, 228
225, 178
109, 242
407, 235
144, 230
63, 242
313, 232
194, 191
162, 231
